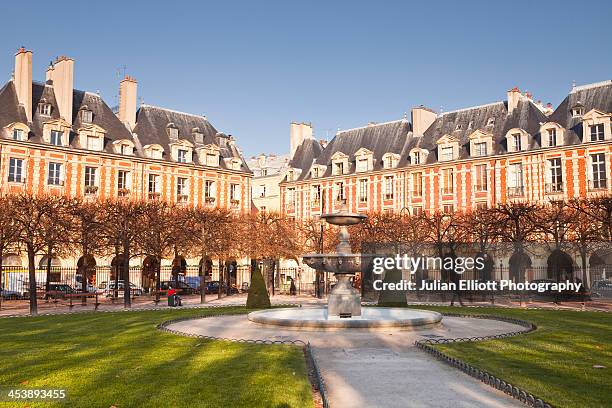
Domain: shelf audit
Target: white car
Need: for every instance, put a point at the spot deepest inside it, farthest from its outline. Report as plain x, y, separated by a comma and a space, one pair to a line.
108, 289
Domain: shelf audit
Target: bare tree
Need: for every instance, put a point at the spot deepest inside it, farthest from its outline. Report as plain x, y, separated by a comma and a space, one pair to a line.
8, 234
31, 212
122, 227
55, 230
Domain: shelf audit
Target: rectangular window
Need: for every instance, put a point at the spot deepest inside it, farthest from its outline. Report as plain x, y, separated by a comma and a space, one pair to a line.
448, 177
18, 134
56, 138
126, 149
447, 153
363, 191
481, 177
338, 168
316, 194
55, 174
480, 149
122, 182
362, 165
93, 143
181, 189
389, 162
208, 189
417, 211
262, 190
448, 208
389, 190
15, 170
516, 142
86, 116
597, 132
416, 157
90, 176
598, 163
417, 184
515, 179
291, 197
181, 156
234, 193
556, 176
552, 137
153, 184
212, 160
315, 172
339, 191
44, 109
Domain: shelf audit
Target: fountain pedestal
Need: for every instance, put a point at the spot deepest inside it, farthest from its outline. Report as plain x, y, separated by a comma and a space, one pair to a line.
344, 300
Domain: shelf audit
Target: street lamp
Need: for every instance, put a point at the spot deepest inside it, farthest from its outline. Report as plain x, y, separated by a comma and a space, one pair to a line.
321, 225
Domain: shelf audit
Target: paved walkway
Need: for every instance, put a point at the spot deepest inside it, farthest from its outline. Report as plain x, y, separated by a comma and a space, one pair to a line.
378, 368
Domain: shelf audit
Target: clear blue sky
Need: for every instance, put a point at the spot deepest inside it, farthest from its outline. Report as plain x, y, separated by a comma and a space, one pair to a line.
252, 67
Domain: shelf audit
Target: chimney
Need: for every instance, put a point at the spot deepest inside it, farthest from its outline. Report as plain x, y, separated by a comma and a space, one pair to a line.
63, 85
298, 133
514, 96
49, 74
23, 80
127, 102
422, 118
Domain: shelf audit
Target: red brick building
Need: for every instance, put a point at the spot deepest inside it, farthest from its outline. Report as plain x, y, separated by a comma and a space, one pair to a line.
515, 149
59, 140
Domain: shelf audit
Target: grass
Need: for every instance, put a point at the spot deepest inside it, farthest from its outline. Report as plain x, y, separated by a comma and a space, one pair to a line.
122, 360
555, 362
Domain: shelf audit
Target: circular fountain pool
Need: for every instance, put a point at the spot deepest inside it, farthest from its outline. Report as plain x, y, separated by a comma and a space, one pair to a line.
371, 318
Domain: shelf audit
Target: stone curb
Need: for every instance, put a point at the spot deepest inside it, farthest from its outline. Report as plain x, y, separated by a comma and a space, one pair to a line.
484, 376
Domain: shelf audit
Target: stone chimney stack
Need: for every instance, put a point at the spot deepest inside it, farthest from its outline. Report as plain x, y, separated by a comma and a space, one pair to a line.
49, 74
23, 80
63, 85
422, 119
127, 101
514, 96
298, 133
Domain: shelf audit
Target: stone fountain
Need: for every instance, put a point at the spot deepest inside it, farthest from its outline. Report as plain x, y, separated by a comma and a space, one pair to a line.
344, 302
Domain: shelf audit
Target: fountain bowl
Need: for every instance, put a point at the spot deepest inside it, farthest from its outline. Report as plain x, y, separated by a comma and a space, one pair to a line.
344, 219
371, 318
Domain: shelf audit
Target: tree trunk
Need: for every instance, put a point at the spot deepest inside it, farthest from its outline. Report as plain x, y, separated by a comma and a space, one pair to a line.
203, 266
157, 279
47, 286
32, 278
221, 277
586, 278
1, 280
127, 293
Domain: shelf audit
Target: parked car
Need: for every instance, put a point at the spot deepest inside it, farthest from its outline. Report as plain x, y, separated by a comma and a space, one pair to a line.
10, 294
183, 288
213, 287
107, 289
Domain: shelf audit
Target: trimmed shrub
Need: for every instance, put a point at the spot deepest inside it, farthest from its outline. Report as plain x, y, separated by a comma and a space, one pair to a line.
258, 294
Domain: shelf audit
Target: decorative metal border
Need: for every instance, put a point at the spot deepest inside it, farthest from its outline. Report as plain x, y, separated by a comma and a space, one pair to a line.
484, 376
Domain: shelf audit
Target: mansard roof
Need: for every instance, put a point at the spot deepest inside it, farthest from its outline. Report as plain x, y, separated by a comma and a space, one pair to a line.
592, 96
152, 121
304, 156
389, 137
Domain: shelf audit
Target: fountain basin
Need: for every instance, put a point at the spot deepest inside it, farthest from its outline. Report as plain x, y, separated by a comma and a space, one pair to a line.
334, 263
370, 318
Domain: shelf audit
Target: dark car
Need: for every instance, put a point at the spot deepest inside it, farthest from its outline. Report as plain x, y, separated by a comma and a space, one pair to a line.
213, 287
181, 287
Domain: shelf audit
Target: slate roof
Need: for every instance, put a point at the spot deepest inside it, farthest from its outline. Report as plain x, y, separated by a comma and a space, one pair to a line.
593, 96
152, 122
305, 155
150, 127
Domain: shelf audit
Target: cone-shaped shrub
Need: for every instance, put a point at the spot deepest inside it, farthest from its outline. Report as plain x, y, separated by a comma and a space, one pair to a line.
258, 295
392, 298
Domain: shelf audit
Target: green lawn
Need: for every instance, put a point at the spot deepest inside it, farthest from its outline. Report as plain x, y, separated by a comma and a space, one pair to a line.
121, 359
555, 362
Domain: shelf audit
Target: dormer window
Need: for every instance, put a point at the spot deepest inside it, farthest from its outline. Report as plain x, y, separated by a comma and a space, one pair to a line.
551, 134
173, 132
517, 140
212, 159
362, 164
44, 109
209, 155
446, 153
338, 168
154, 151
221, 140
56, 138
126, 150
18, 134
290, 175
86, 116
364, 160
198, 136
93, 143
124, 147
577, 110
315, 172
470, 125
480, 149
416, 158
597, 132
236, 164
390, 160
491, 122
181, 156
458, 127
517, 145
